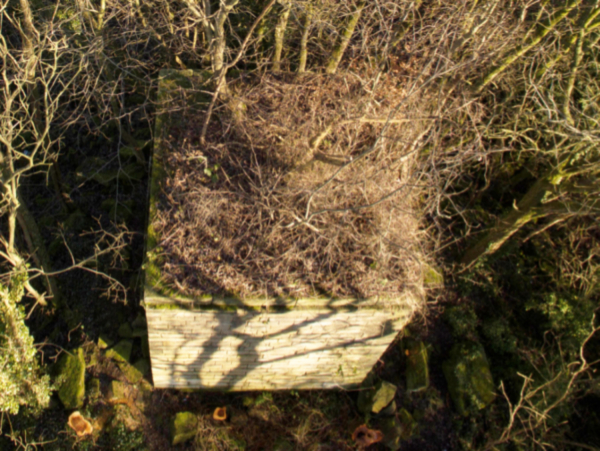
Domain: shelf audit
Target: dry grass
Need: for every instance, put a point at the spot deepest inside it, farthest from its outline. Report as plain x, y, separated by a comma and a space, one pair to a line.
304, 187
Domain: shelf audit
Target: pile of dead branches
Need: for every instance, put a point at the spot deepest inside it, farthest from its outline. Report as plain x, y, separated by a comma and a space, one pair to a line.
304, 186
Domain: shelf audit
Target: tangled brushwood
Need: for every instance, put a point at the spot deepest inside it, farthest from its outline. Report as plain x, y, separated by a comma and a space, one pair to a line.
304, 186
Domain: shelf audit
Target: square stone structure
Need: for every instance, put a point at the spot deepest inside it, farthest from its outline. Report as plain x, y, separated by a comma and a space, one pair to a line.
257, 344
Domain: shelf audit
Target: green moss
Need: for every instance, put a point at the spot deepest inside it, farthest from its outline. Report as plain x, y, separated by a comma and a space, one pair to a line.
121, 438
152, 274
166, 307
183, 427
499, 335
230, 441
131, 373
121, 352
92, 353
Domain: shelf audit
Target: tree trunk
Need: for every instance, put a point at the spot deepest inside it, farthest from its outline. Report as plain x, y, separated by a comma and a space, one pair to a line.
528, 209
208, 34
577, 57
37, 247
220, 44
541, 33
338, 52
279, 35
25, 219
304, 40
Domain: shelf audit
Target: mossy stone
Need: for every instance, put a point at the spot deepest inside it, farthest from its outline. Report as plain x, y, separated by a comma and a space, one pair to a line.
125, 331
409, 425
131, 373
93, 389
92, 359
433, 277
377, 398
92, 354
144, 395
104, 342
139, 322
71, 376
390, 410
117, 389
143, 402
396, 429
183, 427
417, 369
392, 432
121, 352
124, 417
383, 396
469, 378
143, 366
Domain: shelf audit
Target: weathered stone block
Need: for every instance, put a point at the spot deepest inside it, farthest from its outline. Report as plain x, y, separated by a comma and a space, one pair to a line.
121, 352
377, 398
226, 342
131, 373
118, 389
469, 378
396, 429
104, 342
417, 365
71, 376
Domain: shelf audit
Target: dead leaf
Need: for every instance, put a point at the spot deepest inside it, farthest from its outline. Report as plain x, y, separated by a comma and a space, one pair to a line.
363, 436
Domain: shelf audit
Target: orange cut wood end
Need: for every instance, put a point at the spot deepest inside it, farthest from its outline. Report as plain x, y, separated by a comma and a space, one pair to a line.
220, 414
79, 424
